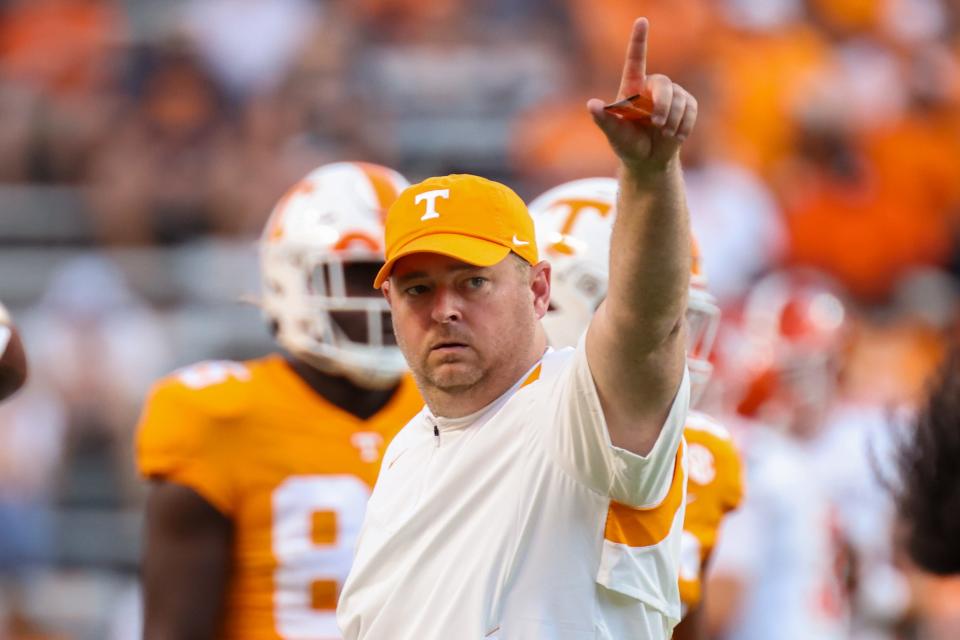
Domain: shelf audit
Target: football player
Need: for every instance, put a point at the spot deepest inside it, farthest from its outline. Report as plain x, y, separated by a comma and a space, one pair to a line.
261, 470
574, 222
780, 566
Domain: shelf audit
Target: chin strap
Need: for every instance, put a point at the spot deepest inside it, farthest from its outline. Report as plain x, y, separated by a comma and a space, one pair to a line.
373, 380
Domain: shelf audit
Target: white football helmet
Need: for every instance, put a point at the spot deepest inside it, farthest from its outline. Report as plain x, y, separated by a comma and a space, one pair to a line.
795, 328
329, 222
574, 222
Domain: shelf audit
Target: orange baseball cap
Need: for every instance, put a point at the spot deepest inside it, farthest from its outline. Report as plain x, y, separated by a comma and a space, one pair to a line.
466, 217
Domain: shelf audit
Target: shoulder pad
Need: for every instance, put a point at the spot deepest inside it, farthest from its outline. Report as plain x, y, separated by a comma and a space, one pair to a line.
701, 422
216, 389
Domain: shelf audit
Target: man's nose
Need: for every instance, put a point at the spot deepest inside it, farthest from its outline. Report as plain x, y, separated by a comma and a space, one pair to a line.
446, 306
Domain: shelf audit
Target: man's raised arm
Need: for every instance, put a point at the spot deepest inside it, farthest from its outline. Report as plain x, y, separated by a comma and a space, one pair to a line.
635, 343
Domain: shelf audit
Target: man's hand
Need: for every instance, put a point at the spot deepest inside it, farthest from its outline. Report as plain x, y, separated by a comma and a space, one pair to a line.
647, 146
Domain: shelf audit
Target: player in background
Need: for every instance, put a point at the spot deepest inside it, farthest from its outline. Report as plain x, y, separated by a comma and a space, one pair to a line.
261, 470
801, 318
779, 569
574, 222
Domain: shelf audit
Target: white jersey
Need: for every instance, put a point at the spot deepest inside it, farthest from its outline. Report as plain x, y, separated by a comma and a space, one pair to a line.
513, 523
781, 545
857, 443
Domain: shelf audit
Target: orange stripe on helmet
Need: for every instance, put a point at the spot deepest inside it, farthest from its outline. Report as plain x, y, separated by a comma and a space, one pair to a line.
384, 186
696, 268
647, 527
275, 225
356, 237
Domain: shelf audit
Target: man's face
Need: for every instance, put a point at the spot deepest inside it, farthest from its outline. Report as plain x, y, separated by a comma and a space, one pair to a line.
459, 325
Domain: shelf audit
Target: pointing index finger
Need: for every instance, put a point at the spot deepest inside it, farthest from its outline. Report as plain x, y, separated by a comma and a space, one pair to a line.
635, 66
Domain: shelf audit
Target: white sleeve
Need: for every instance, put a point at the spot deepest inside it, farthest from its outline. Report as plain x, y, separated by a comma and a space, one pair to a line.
581, 442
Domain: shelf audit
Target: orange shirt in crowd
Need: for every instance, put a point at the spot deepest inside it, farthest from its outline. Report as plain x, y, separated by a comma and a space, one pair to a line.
900, 213
754, 105
554, 143
678, 34
59, 45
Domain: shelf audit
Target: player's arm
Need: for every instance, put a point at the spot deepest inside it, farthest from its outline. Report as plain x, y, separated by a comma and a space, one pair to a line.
186, 564
692, 626
736, 563
635, 343
694, 623
727, 594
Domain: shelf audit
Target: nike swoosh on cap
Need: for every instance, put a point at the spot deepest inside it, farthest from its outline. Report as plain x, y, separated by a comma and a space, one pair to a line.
517, 241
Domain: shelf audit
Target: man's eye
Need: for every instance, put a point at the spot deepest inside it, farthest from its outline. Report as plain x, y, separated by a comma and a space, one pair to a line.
416, 290
476, 282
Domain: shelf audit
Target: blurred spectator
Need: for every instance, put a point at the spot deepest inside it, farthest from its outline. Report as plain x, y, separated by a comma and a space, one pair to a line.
58, 59
754, 103
760, 15
679, 39
312, 116
59, 47
889, 200
32, 429
407, 20
250, 45
889, 362
846, 17
557, 141
16, 132
732, 211
151, 180
96, 345
258, 156
915, 22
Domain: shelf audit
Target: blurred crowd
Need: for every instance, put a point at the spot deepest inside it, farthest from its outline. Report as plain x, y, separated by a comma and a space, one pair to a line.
829, 138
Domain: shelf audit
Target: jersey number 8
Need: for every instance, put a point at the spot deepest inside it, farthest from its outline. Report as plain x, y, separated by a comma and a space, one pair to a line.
316, 521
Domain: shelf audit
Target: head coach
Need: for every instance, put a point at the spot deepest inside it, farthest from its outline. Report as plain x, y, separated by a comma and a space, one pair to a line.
539, 494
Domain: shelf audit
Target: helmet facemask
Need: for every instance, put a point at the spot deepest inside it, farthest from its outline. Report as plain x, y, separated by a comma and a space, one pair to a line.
328, 315
702, 319
577, 290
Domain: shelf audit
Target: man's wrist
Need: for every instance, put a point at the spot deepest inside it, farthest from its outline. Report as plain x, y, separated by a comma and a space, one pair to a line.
646, 173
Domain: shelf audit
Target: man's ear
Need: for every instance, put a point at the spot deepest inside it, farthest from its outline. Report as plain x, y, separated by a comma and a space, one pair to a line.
540, 286
385, 290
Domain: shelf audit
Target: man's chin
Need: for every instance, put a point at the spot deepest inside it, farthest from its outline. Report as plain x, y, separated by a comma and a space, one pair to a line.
453, 376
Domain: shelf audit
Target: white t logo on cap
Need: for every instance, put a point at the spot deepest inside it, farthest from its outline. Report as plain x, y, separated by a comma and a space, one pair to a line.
431, 199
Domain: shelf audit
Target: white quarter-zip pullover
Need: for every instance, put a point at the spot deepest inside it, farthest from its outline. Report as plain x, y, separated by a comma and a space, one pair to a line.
522, 522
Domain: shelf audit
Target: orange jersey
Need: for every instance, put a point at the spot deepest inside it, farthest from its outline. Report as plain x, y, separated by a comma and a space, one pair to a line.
292, 471
714, 488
